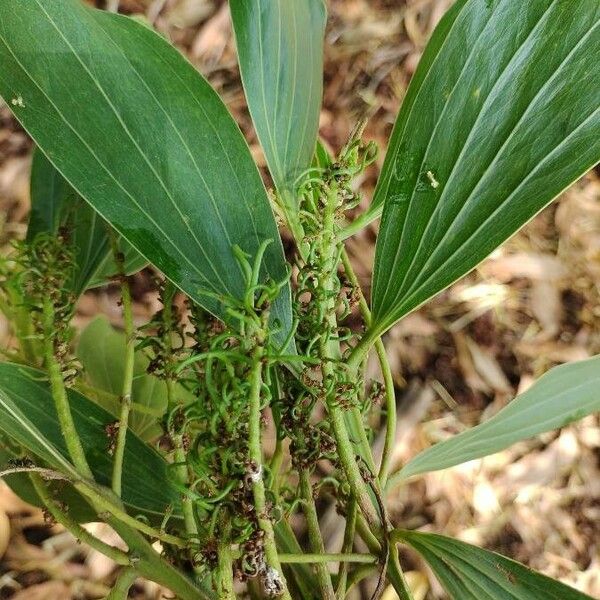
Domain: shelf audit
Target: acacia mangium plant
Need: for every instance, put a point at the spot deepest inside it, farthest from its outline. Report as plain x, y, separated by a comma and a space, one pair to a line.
203, 430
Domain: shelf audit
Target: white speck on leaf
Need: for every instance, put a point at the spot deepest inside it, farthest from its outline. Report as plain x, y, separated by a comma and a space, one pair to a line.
18, 101
432, 180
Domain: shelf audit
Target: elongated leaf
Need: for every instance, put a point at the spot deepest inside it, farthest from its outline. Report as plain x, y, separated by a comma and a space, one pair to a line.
49, 191
433, 48
280, 49
506, 117
28, 416
144, 139
101, 350
55, 204
470, 573
565, 394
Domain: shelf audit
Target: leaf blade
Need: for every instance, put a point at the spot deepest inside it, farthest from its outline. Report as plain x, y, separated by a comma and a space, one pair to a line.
55, 205
101, 350
471, 573
176, 179
565, 394
508, 118
28, 416
286, 98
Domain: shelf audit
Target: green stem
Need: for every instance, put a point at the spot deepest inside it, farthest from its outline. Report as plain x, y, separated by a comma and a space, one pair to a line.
394, 573
350, 466
179, 454
391, 416
314, 536
328, 353
348, 545
225, 571
187, 507
275, 468
366, 559
388, 380
125, 580
154, 567
360, 351
255, 454
118, 556
290, 211
99, 497
59, 394
117, 474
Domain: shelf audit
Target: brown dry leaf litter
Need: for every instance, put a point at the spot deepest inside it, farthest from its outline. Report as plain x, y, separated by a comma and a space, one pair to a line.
532, 305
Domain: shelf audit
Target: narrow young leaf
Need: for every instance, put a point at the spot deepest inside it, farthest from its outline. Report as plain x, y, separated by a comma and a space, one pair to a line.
565, 394
280, 49
505, 117
471, 573
28, 416
55, 204
49, 192
101, 350
145, 140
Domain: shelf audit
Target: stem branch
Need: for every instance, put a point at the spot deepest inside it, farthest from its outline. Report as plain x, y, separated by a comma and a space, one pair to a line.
120, 590
118, 556
117, 474
59, 394
255, 453
314, 536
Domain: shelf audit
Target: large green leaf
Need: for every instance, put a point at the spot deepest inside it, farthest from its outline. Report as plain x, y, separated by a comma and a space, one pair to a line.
506, 116
28, 416
54, 205
280, 49
101, 350
565, 394
433, 48
470, 573
144, 139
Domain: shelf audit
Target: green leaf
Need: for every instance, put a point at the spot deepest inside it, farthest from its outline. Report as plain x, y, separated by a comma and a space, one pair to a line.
505, 117
433, 48
565, 394
101, 350
55, 204
470, 573
280, 49
145, 140
49, 193
20, 484
133, 263
28, 416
